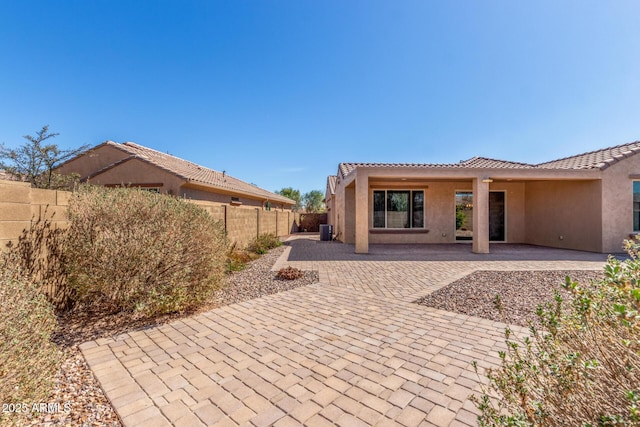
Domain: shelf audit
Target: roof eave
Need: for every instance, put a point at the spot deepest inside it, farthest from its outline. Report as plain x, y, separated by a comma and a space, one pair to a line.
207, 186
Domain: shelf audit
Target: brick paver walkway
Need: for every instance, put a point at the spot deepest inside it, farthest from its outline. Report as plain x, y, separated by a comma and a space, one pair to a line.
351, 350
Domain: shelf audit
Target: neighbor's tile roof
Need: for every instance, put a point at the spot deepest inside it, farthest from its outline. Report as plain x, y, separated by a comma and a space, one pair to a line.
599, 159
196, 173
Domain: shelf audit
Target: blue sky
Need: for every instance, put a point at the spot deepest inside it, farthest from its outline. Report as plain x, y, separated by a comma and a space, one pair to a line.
279, 92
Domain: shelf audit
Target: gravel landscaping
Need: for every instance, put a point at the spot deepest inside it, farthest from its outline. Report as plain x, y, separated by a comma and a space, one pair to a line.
520, 291
76, 385
259, 280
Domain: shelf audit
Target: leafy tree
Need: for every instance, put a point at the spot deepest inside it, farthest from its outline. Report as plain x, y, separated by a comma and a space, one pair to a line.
313, 201
293, 195
36, 160
461, 217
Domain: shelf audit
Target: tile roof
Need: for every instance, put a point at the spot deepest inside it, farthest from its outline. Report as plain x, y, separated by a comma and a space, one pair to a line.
345, 169
195, 173
475, 162
484, 162
331, 184
599, 159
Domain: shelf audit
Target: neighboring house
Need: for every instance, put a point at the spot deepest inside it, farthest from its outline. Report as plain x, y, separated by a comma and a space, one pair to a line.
586, 202
114, 164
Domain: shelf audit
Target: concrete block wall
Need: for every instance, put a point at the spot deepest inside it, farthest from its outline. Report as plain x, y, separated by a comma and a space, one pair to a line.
267, 222
243, 223
286, 223
217, 211
20, 204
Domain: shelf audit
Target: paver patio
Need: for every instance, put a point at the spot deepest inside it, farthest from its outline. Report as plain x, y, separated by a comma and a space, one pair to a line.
350, 350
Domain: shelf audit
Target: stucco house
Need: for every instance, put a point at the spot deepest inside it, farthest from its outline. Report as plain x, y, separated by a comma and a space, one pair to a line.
587, 202
329, 198
114, 164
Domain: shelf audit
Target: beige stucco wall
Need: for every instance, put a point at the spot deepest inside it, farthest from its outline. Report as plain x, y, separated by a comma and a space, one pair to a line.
440, 213
338, 208
515, 209
136, 172
349, 218
617, 202
564, 214
331, 211
92, 161
573, 209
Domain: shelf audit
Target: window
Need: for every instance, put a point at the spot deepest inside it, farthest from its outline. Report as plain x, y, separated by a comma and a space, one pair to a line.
398, 209
636, 205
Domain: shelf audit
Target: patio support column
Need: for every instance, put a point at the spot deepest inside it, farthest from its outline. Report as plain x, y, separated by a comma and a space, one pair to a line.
362, 212
480, 216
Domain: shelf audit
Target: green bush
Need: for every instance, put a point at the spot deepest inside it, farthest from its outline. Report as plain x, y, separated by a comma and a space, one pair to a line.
133, 250
461, 217
583, 367
29, 361
261, 244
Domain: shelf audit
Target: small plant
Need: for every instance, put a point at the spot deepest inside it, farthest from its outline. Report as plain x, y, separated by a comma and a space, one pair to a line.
290, 273
137, 251
263, 243
582, 368
237, 259
28, 359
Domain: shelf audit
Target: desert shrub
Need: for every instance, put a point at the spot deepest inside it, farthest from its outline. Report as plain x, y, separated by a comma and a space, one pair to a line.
40, 256
237, 259
261, 244
583, 367
289, 273
29, 361
133, 250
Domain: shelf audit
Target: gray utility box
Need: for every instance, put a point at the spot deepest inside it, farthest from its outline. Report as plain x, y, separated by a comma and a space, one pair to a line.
326, 232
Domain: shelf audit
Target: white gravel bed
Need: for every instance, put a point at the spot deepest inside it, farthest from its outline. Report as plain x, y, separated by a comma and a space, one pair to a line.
520, 291
75, 383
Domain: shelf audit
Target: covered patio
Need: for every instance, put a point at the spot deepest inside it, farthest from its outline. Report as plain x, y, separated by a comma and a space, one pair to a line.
550, 209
